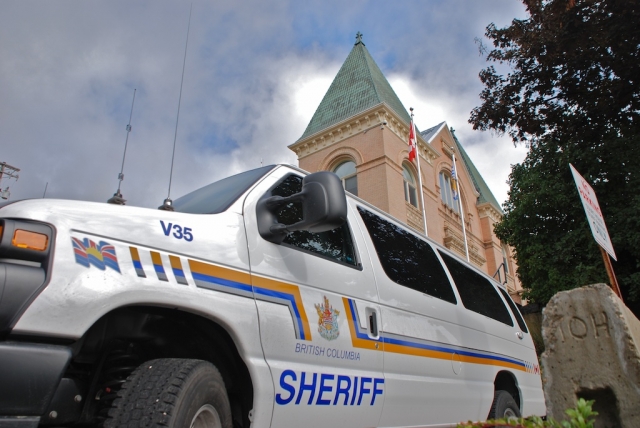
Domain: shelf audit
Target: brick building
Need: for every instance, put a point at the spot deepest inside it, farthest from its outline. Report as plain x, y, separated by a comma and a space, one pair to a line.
360, 130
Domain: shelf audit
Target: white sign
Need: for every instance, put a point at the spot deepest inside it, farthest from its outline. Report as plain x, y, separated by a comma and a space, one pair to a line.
594, 215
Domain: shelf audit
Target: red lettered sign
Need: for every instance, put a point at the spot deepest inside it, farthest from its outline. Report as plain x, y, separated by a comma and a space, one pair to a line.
594, 215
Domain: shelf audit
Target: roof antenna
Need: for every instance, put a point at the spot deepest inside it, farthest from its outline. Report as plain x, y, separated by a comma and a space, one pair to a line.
167, 205
117, 198
11, 172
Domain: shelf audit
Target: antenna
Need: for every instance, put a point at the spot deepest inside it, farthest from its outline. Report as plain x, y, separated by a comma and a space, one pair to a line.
167, 205
11, 172
117, 198
45, 190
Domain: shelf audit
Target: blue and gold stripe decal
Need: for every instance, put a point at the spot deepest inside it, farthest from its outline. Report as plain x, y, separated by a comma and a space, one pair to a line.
285, 294
176, 267
226, 280
240, 283
359, 338
157, 266
218, 278
135, 257
423, 348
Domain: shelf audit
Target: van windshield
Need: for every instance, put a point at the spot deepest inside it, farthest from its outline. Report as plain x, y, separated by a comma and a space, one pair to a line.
217, 197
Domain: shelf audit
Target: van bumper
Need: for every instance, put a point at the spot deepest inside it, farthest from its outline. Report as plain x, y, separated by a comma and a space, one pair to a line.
30, 374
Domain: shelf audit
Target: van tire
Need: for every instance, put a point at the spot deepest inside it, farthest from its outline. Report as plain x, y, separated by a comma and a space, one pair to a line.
172, 393
504, 406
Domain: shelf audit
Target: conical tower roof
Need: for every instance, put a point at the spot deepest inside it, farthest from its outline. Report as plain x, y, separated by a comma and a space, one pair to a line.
358, 86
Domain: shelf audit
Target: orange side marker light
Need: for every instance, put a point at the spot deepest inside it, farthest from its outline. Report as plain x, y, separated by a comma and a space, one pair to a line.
30, 240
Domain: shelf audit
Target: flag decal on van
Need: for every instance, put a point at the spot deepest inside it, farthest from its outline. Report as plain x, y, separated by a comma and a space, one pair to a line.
101, 255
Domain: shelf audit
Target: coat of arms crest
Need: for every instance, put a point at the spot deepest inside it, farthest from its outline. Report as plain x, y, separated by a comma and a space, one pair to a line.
327, 320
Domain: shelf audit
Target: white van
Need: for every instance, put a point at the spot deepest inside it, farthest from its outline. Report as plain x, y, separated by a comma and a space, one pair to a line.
267, 299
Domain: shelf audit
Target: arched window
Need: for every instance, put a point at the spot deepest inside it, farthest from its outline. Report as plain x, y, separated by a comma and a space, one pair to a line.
505, 259
410, 194
447, 191
347, 173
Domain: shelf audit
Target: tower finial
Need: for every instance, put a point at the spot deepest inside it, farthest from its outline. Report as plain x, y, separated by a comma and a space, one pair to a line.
359, 37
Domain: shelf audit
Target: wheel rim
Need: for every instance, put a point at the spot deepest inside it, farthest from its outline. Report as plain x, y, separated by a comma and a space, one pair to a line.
510, 414
206, 417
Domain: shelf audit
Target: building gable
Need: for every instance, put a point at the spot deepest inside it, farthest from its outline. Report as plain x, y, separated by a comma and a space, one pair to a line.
485, 196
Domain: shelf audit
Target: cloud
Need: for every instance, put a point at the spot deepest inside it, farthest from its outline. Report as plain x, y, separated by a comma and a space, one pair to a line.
255, 72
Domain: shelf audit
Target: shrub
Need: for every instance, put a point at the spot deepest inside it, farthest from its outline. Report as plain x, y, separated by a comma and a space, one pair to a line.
582, 416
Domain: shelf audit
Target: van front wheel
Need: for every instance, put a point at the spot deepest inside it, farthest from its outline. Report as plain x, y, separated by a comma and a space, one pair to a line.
174, 393
504, 406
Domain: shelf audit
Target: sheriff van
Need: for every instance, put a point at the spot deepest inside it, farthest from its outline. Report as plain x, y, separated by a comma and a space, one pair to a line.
266, 299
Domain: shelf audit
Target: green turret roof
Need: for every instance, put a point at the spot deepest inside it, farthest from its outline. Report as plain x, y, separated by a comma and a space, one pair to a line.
358, 86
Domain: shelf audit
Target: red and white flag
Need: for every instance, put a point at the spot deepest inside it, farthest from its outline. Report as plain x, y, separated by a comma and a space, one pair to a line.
413, 146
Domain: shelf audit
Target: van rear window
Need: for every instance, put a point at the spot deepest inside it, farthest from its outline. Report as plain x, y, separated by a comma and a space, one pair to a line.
514, 310
406, 259
476, 292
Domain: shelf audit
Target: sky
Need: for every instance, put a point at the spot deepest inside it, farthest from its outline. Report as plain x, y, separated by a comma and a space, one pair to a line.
255, 71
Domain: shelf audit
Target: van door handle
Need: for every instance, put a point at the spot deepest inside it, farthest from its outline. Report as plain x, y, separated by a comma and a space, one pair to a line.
372, 319
373, 324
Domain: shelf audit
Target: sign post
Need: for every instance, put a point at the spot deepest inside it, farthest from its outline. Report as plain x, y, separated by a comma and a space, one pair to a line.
597, 224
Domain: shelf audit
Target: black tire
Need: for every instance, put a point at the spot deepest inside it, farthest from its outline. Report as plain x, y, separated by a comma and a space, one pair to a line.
170, 393
504, 406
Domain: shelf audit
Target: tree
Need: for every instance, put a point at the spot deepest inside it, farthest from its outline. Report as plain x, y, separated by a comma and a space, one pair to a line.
572, 94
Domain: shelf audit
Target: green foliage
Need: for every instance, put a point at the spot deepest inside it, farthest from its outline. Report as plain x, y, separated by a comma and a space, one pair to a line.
573, 96
545, 222
574, 71
582, 416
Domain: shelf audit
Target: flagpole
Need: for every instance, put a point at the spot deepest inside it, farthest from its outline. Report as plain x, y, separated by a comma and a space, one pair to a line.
464, 229
412, 133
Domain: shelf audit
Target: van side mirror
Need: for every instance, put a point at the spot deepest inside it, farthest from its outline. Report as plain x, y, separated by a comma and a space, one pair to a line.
324, 207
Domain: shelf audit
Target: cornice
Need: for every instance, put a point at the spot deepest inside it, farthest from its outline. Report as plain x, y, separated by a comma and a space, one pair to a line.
488, 210
446, 149
375, 116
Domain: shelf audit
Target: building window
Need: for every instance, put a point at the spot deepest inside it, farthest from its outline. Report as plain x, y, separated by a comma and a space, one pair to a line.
410, 194
505, 260
447, 191
347, 173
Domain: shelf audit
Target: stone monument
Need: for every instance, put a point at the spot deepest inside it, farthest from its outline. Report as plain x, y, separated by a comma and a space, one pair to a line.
592, 343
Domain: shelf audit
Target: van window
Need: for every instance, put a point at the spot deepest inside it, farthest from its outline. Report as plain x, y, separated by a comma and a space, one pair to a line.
514, 310
476, 292
335, 244
406, 259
